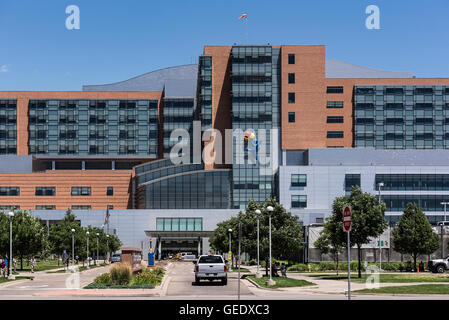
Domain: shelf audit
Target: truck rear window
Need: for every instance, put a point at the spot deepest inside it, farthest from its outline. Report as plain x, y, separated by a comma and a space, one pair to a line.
211, 259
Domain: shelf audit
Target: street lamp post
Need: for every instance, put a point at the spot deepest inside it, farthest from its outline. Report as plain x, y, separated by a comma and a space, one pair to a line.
107, 245
258, 274
11, 215
270, 209
444, 203
380, 184
73, 246
230, 250
87, 250
97, 249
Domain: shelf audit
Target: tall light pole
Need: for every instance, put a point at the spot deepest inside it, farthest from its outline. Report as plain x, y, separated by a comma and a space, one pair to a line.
270, 209
73, 246
97, 248
87, 250
11, 215
444, 203
258, 275
230, 250
380, 184
107, 245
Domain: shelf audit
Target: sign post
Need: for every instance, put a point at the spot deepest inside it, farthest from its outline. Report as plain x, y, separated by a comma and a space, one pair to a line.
347, 224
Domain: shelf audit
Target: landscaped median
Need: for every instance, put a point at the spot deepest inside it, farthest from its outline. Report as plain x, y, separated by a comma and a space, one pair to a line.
414, 289
280, 282
384, 278
122, 277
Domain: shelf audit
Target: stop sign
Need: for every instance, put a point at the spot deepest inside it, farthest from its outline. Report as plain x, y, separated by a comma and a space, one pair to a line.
347, 220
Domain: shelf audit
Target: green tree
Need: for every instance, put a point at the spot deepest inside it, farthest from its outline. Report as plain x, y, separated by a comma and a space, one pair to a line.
330, 240
413, 234
286, 232
113, 242
368, 220
61, 236
29, 235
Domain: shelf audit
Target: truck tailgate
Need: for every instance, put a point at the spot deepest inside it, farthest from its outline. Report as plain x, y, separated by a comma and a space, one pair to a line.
211, 268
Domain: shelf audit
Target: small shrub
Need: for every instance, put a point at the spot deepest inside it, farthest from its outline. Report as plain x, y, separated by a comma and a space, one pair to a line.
298, 267
121, 273
104, 278
327, 266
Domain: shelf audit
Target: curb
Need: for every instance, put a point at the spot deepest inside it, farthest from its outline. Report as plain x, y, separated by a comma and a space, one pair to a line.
258, 286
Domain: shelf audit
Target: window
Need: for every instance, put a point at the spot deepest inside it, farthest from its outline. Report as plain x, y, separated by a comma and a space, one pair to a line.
299, 201
110, 191
9, 191
291, 117
46, 207
179, 224
334, 89
81, 207
80, 191
291, 97
351, 180
334, 104
291, 58
423, 91
334, 134
299, 180
110, 207
45, 191
9, 207
291, 78
333, 119
394, 91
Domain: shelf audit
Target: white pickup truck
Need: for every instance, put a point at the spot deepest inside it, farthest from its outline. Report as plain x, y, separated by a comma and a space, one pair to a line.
210, 267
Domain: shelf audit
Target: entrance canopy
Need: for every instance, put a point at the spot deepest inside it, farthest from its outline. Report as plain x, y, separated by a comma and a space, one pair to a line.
178, 235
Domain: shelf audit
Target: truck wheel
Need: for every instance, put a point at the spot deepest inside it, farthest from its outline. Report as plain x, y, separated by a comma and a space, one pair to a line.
440, 269
224, 281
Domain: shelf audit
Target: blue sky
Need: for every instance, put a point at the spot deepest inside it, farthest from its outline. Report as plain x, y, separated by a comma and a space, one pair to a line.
122, 39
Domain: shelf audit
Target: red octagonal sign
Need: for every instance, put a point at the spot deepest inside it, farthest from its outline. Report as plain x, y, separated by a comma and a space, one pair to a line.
347, 220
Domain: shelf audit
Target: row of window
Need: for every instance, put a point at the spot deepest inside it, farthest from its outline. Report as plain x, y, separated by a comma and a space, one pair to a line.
51, 191
179, 224
425, 202
413, 181
398, 91
50, 207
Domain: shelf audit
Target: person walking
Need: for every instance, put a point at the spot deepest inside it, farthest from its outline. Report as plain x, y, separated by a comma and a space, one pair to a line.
33, 264
3, 268
14, 264
284, 270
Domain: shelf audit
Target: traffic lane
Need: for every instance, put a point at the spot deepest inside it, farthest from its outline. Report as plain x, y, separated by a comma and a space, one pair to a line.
182, 283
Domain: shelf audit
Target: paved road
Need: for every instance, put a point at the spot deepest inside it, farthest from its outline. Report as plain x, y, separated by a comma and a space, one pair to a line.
180, 282
48, 284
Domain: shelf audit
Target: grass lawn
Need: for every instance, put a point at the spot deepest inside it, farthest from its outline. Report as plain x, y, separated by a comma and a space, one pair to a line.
79, 268
281, 282
3, 280
40, 265
386, 278
418, 289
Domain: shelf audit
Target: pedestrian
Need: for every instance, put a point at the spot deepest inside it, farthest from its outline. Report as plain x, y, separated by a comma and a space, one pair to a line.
33, 264
6, 265
421, 266
284, 270
3, 268
14, 264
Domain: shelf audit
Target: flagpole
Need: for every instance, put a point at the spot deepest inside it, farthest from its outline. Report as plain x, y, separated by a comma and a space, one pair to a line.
246, 27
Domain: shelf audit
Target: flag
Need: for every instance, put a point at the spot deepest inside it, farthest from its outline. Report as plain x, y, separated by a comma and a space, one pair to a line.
106, 218
242, 16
